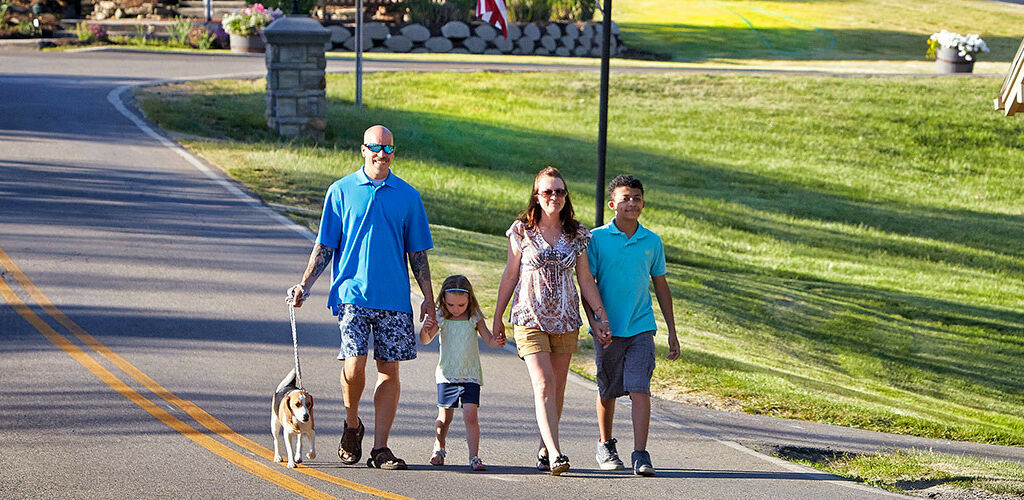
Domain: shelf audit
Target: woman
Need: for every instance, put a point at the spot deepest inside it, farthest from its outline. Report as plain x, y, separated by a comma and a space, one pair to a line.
546, 244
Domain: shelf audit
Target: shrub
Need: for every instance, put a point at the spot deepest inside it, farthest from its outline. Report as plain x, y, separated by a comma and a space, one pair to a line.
529, 11
433, 14
180, 30
84, 33
201, 38
29, 28
572, 10
285, 6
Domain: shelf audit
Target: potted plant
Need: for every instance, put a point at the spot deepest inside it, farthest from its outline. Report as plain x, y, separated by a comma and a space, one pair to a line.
244, 26
953, 52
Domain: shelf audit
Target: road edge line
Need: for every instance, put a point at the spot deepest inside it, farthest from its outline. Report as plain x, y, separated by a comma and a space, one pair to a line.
83, 358
193, 410
115, 97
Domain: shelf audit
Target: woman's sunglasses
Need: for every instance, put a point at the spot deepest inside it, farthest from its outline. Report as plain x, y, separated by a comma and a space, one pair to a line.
553, 192
388, 148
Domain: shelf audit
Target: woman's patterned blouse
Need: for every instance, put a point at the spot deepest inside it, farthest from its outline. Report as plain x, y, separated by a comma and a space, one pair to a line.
545, 296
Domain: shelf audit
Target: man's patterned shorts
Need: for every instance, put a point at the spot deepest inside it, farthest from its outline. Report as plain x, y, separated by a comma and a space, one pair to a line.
394, 338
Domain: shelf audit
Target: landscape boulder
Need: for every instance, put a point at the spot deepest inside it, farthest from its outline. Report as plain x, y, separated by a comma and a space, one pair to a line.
531, 31
339, 34
475, 45
416, 32
398, 43
438, 44
376, 31
486, 32
455, 30
553, 30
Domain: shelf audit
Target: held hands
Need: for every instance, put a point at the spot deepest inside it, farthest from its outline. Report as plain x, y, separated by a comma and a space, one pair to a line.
427, 309
497, 342
430, 323
498, 331
602, 332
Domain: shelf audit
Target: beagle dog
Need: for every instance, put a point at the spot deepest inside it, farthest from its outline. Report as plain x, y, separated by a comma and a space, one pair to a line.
292, 415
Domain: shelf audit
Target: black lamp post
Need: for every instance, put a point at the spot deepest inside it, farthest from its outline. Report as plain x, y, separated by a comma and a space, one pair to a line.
602, 126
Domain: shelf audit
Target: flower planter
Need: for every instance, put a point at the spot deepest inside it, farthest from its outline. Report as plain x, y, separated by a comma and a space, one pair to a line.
949, 60
247, 43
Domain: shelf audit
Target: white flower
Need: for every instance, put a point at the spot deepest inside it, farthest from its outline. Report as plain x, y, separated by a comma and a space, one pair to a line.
966, 46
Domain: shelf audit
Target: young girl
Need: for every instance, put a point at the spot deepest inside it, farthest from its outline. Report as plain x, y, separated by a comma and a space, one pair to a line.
458, 372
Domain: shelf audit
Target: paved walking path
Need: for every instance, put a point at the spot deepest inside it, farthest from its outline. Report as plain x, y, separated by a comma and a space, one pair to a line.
143, 331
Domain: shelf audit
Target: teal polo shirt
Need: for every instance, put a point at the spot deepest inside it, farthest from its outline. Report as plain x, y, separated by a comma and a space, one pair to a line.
623, 268
371, 229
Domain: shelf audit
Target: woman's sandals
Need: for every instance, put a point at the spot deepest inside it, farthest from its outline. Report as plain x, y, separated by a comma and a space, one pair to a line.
437, 458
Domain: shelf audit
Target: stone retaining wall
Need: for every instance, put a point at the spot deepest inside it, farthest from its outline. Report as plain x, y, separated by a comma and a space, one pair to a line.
543, 39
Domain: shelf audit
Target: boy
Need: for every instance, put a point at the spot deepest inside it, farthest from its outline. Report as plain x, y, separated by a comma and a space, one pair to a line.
622, 254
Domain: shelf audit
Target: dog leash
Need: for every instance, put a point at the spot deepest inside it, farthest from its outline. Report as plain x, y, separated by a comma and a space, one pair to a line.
295, 344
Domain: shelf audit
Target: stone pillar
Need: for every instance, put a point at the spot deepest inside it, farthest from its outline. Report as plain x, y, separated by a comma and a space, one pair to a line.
296, 96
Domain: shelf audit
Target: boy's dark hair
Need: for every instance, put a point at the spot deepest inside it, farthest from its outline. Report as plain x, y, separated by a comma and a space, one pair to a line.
625, 180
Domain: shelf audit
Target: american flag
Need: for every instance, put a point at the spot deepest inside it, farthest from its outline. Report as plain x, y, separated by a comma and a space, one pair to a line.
493, 12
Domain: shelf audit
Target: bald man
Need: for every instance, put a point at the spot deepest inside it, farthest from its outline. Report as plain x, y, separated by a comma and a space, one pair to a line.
372, 223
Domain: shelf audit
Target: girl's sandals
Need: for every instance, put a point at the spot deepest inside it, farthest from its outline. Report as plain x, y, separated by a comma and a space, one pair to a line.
350, 450
438, 457
382, 458
561, 465
543, 463
476, 464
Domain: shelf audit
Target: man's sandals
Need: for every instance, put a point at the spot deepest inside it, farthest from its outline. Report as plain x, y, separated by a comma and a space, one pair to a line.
382, 458
350, 450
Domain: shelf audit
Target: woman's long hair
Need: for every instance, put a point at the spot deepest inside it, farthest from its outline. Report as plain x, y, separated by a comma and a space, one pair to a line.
567, 216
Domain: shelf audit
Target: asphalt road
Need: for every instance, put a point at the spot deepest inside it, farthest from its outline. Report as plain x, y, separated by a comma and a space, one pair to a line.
142, 332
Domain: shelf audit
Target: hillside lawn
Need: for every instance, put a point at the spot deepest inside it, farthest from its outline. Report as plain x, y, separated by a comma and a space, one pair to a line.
842, 250
921, 473
875, 30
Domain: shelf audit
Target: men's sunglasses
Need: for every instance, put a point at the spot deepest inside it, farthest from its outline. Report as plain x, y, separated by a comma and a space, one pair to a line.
554, 192
388, 148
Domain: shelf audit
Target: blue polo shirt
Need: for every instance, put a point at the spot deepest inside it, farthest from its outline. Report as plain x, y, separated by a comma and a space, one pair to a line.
623, 268
371, 229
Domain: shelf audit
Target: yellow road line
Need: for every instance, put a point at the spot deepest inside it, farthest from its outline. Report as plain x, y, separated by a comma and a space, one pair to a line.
190, 408
83, 358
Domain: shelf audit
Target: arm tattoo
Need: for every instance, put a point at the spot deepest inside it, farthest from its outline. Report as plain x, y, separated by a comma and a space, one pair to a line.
420, 266
319, 260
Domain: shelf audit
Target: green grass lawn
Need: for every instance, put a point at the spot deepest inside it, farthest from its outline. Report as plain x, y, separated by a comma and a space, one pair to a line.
844, 250
923, 473
688, 30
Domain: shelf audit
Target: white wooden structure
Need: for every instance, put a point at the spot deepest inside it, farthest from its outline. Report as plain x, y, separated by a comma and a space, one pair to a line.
1011, 95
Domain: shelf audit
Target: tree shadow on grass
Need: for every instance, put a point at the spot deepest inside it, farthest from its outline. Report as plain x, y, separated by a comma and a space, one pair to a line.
465, 167
754, 203
905, 341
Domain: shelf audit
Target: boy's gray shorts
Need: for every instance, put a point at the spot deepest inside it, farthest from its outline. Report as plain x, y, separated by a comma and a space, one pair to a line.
625, 366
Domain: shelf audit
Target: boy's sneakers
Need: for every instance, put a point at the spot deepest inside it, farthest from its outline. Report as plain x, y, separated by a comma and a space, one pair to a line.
437, 458
608, 456
476, 464
642, 463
